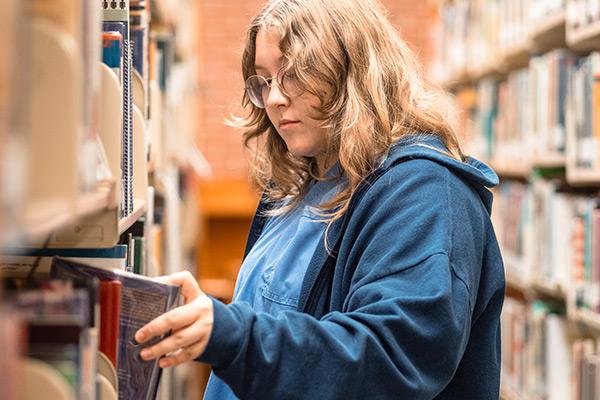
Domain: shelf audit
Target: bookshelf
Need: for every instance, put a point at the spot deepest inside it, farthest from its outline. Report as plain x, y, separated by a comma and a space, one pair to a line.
126, 222
584, 38
587, 319
533, 290
534, 119
550, 32
96, 148
506, 168
516, 56
50, 216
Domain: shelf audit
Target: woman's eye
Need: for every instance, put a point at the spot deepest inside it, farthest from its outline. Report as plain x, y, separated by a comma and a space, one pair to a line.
290, 77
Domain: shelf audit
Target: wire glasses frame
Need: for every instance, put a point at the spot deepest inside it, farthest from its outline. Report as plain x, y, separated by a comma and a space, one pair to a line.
258, 88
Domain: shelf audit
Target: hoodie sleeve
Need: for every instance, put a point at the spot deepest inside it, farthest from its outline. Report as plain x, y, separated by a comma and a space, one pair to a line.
403, 327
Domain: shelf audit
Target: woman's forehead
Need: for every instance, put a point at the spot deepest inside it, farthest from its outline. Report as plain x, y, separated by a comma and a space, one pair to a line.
268, 56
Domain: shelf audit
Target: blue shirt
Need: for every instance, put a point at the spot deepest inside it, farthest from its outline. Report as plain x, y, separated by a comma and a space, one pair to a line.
271, 275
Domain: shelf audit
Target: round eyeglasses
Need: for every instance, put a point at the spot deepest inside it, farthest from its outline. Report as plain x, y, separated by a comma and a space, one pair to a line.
258, 88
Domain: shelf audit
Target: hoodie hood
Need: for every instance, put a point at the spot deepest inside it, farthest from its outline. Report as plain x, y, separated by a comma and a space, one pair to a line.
431, 147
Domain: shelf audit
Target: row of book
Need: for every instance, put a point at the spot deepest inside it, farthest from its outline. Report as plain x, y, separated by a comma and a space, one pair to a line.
91, 89
582, 13
76, 324
550, 236
495, 32
482, 30
547, 111
541, 360
583, 109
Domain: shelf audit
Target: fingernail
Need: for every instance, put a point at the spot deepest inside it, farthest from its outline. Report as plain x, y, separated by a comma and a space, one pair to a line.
164, 363
146, 354
139, 336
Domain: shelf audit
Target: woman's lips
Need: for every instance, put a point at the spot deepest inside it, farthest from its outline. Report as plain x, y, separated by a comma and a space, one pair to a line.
286, 123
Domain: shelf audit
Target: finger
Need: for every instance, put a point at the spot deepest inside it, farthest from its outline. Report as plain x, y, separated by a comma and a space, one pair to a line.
175, 319
189, 286
184, 355
182, 338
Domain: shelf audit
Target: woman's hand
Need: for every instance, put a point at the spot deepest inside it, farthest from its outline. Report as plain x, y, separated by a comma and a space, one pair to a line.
191, 325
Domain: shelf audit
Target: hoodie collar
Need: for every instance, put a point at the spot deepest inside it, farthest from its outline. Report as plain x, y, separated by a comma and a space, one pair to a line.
431, 147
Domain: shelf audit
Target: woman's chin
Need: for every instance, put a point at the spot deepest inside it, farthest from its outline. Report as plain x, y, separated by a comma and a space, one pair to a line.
300, 152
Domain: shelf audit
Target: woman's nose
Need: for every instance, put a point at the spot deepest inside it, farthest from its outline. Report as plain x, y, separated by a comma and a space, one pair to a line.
275, 97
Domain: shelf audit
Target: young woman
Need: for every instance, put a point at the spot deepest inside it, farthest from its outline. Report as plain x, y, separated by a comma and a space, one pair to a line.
372, 270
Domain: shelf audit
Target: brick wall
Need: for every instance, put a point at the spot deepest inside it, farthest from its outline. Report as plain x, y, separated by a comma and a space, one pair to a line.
222, 28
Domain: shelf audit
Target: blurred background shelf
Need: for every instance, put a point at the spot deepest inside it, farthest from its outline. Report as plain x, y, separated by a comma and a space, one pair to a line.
585, 38
588, 319
550, 33
511, 169
549, 160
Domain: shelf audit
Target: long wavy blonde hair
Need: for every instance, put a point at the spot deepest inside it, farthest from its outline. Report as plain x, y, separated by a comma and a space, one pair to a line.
348, 54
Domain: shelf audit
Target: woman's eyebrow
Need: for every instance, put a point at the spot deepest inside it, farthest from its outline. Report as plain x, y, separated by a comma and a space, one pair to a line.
257, 67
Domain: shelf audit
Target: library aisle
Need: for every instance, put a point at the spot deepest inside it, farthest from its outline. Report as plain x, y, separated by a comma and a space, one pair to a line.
116, 166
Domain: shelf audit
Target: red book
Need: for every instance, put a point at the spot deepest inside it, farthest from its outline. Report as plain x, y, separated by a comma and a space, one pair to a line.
110, 310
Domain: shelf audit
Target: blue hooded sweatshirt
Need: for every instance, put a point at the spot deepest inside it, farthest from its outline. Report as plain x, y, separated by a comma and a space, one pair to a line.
404, 304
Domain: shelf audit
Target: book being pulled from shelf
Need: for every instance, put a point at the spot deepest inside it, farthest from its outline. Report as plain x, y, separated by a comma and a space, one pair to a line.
142, 299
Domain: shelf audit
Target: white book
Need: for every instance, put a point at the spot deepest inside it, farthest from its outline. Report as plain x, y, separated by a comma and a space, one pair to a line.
558, 358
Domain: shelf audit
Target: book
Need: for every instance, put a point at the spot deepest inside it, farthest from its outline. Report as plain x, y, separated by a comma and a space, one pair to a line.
110, 311
112, 52
116, 19
142, 300
11, 333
